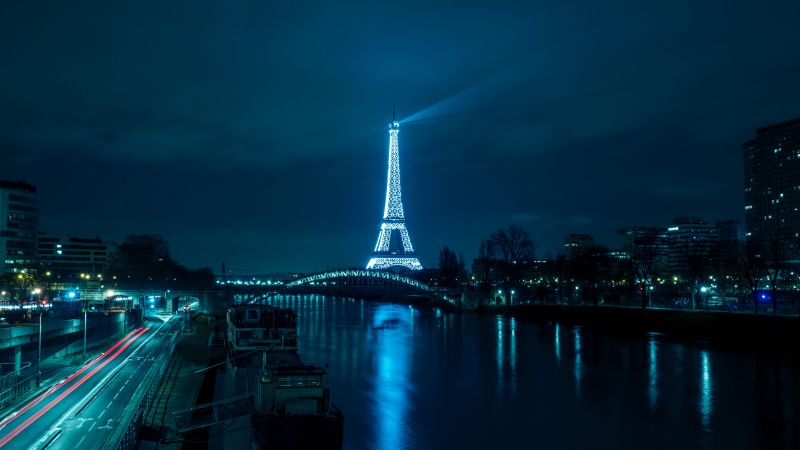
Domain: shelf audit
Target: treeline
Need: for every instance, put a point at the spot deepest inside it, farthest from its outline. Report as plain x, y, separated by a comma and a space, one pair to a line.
692, 274
145, 259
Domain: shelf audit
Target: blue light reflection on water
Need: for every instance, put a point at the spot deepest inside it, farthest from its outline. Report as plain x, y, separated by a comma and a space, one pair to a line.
392, 327
652, 373
557, 344
706, 391
578, 365
499, 357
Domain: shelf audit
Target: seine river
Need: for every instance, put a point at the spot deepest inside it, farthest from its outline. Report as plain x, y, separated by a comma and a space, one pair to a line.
417, 378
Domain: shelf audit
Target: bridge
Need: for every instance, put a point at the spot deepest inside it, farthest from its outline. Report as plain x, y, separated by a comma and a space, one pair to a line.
359, 283
366, 283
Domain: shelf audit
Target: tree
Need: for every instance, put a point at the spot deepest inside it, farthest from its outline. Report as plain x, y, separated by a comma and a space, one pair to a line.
753, 269
590, 266
696, 257
145, 258
643, 251
511, 244
451, 267
508, 247
777, 249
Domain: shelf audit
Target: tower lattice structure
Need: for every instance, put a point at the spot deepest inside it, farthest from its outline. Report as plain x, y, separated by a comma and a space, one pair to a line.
394, 220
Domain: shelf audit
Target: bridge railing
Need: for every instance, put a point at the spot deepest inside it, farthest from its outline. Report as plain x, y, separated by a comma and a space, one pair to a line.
15, 384
360, 273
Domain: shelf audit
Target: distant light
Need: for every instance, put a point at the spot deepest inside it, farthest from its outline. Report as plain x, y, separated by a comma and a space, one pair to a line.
71, 294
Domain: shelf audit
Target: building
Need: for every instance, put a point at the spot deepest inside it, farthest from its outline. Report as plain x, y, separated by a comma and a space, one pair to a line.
646, 245
19, 210
772, 185
730, 231
74, 255
691, 242
578, 244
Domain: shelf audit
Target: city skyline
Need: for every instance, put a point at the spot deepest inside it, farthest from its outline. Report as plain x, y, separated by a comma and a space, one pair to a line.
262, 146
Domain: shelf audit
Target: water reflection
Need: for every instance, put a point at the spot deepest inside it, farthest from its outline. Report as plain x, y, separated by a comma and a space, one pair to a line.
499, 354
706, 391
513, 355
423, 387
578, 366
558, 345
392, 332
652, 374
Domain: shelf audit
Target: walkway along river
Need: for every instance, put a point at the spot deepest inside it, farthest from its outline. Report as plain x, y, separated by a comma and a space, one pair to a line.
418, 378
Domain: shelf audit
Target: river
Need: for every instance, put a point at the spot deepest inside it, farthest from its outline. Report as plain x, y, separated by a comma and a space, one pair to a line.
419, 378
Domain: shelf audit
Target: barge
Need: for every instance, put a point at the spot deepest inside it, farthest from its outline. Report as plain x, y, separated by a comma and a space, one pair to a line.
292, 400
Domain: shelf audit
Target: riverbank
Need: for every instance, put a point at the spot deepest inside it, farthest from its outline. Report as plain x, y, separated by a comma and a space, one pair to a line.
734, 330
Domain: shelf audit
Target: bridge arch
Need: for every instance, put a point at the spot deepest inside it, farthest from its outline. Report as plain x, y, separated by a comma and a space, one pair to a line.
360, 274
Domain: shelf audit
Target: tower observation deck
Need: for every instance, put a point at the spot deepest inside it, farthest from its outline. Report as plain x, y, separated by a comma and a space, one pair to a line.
393, 248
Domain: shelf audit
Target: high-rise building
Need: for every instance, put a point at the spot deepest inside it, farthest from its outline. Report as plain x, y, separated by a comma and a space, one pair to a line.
691, 241
730, 231
772, 185
74, 255
19, 224
577, 244
646, 245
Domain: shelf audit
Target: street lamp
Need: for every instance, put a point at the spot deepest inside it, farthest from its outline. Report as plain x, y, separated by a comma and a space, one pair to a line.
512, 297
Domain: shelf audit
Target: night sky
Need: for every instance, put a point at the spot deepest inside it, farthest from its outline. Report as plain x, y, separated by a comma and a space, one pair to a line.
255, 132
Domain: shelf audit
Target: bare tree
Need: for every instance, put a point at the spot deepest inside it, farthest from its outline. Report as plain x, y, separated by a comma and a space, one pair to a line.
696, 259
590, 267
753, 269
512, 244
510, 247
777, 249
451, 267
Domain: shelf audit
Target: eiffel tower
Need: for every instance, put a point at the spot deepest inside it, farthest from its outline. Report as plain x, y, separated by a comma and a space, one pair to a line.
393, 248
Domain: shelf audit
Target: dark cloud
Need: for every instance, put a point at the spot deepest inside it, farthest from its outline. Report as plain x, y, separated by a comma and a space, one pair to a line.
253, 132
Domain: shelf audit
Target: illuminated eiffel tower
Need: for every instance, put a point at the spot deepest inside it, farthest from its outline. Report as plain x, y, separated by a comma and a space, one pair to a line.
397, 252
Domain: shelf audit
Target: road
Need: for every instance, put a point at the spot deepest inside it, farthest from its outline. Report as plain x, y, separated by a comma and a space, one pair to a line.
83, 410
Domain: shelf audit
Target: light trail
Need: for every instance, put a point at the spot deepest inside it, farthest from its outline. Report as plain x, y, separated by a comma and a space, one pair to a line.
61, 383
21, 427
